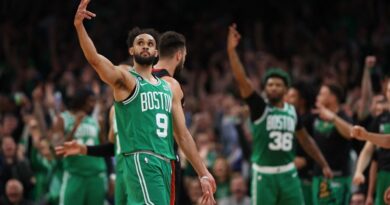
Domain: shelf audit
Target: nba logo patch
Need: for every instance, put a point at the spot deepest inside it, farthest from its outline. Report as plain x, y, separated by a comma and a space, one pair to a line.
165, 88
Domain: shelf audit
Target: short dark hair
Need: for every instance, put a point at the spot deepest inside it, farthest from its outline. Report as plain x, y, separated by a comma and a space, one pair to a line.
170, 43
79, 99
337, 91
136, 31
277, 73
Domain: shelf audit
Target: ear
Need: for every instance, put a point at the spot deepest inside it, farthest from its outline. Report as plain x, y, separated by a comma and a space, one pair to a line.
131, 51
156, 54
179, 55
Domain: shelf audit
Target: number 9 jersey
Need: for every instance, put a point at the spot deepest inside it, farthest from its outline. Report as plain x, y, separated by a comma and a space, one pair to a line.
273, 131
144, 120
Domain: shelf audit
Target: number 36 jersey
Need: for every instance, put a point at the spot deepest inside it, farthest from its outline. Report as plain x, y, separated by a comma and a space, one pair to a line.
273, 131
144, 120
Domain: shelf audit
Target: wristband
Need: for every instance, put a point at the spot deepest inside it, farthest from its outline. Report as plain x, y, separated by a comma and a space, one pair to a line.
204, 177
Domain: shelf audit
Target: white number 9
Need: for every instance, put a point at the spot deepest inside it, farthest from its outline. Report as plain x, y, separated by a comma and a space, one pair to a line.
162, 124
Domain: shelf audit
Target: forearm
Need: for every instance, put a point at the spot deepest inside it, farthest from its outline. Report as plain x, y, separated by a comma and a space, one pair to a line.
366, 94
381, 140
239, 73
363, 160
342, 126
314, 152
104, 68
87, 45
69, 136
372, 179
237, 67
188, 146
38, 112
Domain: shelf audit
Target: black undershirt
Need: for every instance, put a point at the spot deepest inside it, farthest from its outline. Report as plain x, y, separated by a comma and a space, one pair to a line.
381, 124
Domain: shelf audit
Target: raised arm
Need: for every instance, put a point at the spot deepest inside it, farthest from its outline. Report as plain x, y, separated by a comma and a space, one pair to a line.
243, 81
366, 90
188, 146
313, 151
118, 79
382, 140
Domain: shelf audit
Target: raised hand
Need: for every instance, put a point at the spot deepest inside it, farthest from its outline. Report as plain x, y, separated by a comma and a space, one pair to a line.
82, 13
37, 93
370, 62
208, 188
358, 132
70, 148
233, 37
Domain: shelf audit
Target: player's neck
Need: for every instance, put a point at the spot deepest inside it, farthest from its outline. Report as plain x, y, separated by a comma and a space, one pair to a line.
167, 65
279, 104
144, 70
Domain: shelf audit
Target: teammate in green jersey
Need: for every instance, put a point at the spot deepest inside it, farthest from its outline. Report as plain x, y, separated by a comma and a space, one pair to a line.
274, 126
146, 109
84, 177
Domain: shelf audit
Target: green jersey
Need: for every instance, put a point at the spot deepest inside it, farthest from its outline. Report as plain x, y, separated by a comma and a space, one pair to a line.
273, 136
144, 120
87, 133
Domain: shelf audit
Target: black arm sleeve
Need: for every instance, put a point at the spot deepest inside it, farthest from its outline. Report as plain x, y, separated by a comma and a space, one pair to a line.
102, 150
246, 149
374, 126
299, 123
256, 105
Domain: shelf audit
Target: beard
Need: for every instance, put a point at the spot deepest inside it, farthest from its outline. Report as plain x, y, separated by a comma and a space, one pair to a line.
274, 99
179, 68
144, 60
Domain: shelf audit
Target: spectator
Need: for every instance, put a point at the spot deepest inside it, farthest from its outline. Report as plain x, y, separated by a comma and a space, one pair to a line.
358, 198
221, 171
14, 194
238, 189
14, 168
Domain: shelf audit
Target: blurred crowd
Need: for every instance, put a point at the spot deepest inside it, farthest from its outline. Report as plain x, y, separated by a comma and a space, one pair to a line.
42, 67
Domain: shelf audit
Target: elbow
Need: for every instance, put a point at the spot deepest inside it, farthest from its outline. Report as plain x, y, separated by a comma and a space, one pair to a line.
93, 60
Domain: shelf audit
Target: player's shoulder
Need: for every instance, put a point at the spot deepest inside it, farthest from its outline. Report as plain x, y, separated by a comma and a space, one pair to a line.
171, 81
290, 109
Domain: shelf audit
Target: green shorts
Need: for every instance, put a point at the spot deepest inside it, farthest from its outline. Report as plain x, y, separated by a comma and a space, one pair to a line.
147, 179
83, 190
382, 183
276, 188
336, 191
120, 187
306, 185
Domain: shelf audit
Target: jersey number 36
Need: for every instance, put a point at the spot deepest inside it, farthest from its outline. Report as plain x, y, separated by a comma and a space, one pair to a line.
281, 141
